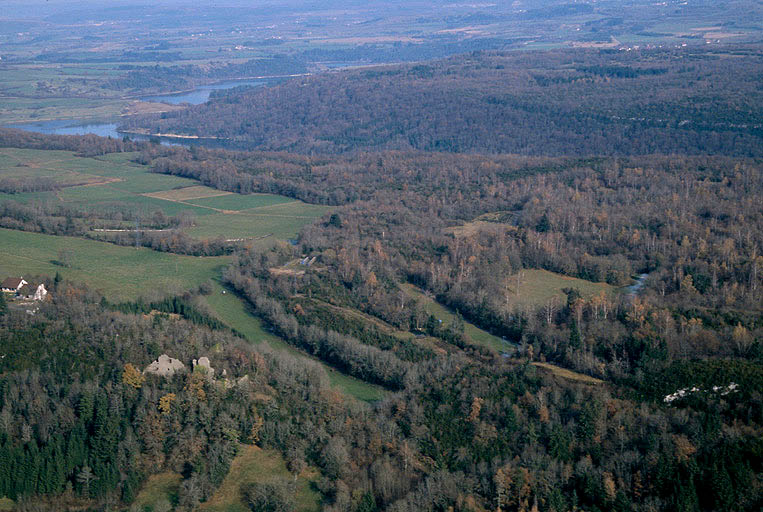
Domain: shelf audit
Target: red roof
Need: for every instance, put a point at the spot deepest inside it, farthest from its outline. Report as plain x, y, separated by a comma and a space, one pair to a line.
11, 282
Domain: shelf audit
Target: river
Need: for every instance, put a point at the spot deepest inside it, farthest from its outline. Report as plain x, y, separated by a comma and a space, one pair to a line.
636, 287
196, 96
200, 94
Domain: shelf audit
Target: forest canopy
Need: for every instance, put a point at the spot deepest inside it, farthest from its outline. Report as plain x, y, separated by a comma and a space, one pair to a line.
571, 102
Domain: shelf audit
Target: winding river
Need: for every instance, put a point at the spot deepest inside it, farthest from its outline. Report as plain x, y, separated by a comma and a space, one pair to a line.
196, 96
636, 287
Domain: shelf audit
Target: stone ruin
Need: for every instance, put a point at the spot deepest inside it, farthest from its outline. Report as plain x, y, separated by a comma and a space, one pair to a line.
203, 365
165, 366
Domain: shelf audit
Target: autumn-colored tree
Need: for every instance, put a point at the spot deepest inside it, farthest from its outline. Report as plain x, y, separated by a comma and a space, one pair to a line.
132, 376
684, 448
742, 338
475, 409
254, 432
195, 386
165, 403
609, 485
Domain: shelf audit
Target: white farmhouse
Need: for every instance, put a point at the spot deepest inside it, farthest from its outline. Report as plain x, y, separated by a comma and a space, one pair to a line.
13, 284
35, 292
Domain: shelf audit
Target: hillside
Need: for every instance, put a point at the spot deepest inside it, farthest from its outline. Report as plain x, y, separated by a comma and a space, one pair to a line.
562, 102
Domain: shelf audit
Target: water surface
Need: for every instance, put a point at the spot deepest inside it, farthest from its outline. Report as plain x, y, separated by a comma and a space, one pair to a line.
70, 127
201, 94
195, 97
636, 287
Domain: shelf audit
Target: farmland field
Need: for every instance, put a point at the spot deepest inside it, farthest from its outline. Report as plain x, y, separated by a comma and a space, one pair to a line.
247, 226
121, 273
63, 166
187, 193
296, 209
238, 202
114, 181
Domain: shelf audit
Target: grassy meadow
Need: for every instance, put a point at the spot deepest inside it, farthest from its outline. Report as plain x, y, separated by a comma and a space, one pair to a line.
477, 335
255, 465
114, 181
159, 488
233, 311
237, 202
564, 373
120, 273
537, 286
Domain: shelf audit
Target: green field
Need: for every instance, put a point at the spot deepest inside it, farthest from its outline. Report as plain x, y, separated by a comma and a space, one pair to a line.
537, 286
238, 202
144, 183
440, 312
97, 198
114, 181
158, 488
120, 273
61, 165
255, 465
20, 110
232, 310
296, 209
246, 225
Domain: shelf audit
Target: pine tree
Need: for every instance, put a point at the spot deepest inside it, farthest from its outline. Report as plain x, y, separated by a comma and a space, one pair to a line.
58, 473
17, 471
543, 224
85, 406
575, 336
723, 489
5, 468
103, 447
76, 448
367, 503
85, 478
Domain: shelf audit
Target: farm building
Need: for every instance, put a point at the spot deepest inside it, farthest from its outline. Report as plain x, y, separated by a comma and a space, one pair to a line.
13, 284
32, 292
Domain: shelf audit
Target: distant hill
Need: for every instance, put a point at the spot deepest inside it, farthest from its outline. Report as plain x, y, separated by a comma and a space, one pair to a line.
561, 102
